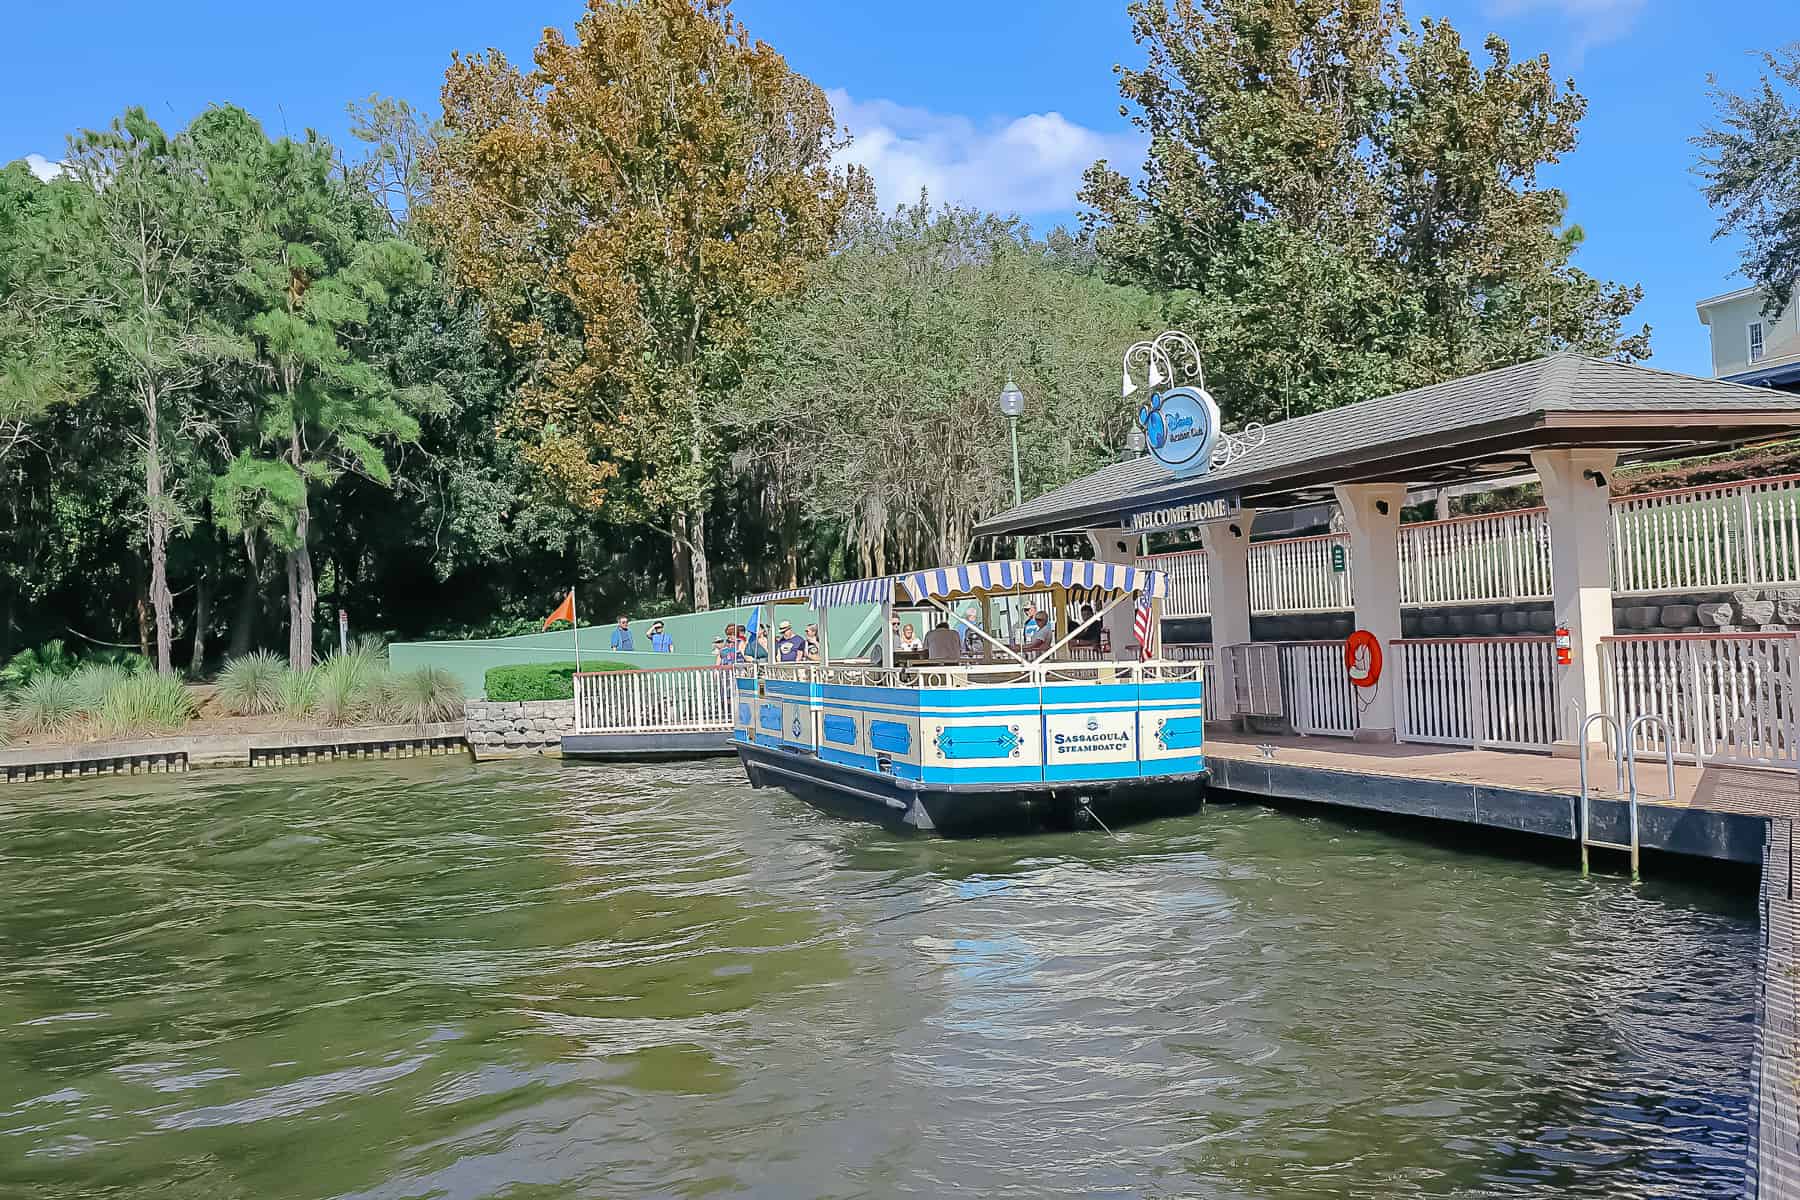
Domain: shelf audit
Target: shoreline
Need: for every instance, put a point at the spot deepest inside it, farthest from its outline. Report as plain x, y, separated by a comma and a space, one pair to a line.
253, 748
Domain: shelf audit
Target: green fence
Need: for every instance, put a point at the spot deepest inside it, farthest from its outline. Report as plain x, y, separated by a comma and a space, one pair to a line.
852, 629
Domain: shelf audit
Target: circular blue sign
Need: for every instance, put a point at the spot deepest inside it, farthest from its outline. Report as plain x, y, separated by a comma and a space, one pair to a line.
1180, 427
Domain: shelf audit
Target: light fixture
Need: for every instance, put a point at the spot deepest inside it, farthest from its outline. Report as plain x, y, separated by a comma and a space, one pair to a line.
1599, 479
1156, 375
1012, 400
1128, 387
1135, 441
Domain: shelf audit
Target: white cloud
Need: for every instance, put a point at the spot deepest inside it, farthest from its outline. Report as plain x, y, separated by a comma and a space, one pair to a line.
1027, 165
1590, 23
42, 167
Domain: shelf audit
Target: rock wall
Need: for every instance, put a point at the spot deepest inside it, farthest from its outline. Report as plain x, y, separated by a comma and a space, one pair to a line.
519, 726
1747, 610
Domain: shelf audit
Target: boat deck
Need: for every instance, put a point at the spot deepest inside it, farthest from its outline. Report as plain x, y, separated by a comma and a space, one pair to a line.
1718, 812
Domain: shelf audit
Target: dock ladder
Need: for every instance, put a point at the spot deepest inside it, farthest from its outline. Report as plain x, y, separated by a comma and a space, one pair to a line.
1625, 771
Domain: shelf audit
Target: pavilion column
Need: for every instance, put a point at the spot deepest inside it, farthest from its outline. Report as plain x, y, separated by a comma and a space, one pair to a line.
1227, 546
1372, 518
1580, 503
1114, 545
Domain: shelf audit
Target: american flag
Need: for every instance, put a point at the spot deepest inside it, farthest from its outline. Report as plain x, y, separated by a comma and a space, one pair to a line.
1140, 626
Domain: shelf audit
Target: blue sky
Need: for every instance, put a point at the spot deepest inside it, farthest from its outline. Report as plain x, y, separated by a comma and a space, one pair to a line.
1000, 106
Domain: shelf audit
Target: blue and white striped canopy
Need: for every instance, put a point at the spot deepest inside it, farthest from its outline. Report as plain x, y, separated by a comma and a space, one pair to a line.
833, 595
1030, 574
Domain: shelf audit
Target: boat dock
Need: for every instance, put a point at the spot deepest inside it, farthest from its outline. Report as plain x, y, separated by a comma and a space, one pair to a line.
1717, 812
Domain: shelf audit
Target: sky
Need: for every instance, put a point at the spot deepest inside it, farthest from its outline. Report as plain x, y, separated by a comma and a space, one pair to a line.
990, 105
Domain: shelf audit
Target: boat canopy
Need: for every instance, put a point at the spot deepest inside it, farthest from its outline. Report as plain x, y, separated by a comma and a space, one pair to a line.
976, 579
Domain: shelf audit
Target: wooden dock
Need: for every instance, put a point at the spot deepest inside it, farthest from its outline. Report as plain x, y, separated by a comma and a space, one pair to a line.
1718, 813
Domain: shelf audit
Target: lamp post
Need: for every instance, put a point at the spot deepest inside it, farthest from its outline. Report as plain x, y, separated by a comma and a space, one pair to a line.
1012, 406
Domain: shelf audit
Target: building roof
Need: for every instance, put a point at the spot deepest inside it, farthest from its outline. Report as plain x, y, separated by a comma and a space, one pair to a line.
1475, 427
1700, 306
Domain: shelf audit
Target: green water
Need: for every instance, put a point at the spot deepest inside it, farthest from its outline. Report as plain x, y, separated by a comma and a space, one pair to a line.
536, 980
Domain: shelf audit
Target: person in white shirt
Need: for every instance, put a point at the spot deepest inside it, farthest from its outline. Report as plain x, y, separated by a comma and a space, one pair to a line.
909, 640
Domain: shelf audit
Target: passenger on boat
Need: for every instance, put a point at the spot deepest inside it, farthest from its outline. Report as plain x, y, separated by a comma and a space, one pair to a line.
790, 647
1088, 637
942, 644
726, 654
812, 643
1039, 632
1033, 622
909, 642
971, 637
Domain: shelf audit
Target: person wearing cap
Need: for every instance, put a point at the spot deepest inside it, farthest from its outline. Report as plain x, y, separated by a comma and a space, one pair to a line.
812, 643
660, 642
621, 637
727, 654
789, 646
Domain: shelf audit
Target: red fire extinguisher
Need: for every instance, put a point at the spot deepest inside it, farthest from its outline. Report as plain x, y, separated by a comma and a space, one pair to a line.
1565, 647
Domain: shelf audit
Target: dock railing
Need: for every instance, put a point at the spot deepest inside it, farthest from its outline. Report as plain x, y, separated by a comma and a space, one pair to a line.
1724, 697
660, 700
1487, 693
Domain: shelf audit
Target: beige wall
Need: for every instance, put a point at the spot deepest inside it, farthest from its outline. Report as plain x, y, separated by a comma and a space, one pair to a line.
1730, 327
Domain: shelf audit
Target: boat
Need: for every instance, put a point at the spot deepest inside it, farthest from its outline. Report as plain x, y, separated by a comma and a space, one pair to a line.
1001, 722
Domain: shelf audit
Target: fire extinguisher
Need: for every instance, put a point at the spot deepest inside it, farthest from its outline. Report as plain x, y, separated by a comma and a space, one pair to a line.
1565, 647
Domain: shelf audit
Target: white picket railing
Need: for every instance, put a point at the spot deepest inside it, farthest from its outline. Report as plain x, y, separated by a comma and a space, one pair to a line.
1294, 575
1480, 692
1320, 698
1726, 697
665, 699
1466, 560
1691, 539
1729, 535
1218, 705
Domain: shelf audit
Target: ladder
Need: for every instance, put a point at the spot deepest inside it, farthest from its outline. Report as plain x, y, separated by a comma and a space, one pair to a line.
1625, 771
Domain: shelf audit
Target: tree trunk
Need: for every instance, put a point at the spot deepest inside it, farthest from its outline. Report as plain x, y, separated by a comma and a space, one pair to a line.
243, 623
202, 614
303, 592
702, 573
295, 660
161, 602
143, 616
680, 558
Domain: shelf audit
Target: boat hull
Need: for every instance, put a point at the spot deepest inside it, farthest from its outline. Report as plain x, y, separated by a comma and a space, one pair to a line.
967, 809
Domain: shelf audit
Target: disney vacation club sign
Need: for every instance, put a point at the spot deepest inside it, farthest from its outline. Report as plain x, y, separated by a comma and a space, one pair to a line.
1180, 421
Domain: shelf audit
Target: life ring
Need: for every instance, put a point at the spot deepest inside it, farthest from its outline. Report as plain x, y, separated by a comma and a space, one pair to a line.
1362, 658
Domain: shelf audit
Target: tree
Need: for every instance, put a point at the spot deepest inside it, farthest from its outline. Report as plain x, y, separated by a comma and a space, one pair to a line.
627, 209
130, 259
871, 404
1340, 205
311, 264
1751, 163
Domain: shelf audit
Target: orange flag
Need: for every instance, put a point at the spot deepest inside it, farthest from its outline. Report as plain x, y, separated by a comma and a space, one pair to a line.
564, 611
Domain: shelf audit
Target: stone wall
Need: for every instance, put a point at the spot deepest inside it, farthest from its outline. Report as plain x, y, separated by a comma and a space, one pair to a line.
518, 726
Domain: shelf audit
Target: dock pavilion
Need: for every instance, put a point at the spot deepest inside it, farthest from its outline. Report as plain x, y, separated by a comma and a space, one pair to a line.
1569, 419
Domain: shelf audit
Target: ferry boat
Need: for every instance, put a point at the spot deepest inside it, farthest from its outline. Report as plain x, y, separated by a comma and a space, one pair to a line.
999, 723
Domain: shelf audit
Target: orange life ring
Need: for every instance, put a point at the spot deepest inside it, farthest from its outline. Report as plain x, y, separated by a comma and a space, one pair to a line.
1366, 646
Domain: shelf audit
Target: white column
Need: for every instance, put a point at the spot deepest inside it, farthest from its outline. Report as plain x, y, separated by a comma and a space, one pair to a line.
1576, 493
1228, 593
1372, 519
1115, 546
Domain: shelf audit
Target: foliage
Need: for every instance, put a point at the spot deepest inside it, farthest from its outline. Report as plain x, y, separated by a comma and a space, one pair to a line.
299, 692
871, 404
540, 681
251, 684
93, 682
1344, 205
423, 696
627, 209
48, 704
143, 703
51, 658
1750, 160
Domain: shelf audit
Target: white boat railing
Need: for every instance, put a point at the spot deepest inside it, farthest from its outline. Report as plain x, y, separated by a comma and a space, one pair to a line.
1725, 698
660, 700
985, 674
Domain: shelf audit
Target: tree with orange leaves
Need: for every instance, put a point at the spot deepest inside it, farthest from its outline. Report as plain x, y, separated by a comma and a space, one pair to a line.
627, 208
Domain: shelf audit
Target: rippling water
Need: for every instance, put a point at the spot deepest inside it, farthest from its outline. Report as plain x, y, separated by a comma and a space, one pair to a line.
536, 980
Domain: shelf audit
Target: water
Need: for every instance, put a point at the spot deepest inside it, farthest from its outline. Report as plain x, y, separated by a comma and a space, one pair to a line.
534, 980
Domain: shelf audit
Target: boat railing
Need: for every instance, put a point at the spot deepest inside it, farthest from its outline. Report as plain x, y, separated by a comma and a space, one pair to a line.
983, 674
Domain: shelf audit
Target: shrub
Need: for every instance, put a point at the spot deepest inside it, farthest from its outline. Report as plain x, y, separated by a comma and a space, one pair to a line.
251, 684
540, 681
6, 712
424, 695
93, 682
143, 703
299, 693
48, 704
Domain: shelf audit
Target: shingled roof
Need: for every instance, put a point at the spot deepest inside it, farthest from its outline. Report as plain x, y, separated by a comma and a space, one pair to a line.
1469, 428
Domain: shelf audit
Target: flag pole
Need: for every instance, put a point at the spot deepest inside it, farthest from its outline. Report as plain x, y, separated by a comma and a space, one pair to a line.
575, 628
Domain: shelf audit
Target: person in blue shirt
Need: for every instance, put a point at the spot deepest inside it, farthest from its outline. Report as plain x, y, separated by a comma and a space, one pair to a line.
621, 637
660, 642
789, 646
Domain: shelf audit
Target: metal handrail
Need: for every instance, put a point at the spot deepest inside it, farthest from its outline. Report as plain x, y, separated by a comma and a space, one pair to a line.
1581, 745
1661, 727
